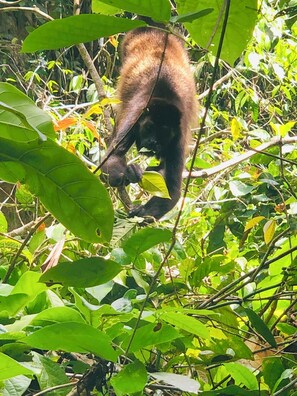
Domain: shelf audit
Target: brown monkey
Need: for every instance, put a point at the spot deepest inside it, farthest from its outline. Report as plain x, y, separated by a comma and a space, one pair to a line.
157, 93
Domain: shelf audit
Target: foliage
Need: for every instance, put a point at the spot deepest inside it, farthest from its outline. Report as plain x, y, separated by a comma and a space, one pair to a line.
206, 305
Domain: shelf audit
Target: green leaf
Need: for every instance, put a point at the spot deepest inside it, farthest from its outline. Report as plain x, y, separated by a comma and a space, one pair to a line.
11, 305
74, 30
16, 386
181, 382
145, 239
51, 374
57, 315
3, 223
159, 10
242, 375
29, 284
73, 337
151, 334
10, 368
258, 324
191, 16
239, 189
272, 370
62, 182
154, 183
87, 272
206, 30
22, 111
131, 379
98, 7
187, 323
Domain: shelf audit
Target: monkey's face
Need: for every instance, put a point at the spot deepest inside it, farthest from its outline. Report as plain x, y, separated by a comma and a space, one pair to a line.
153, 135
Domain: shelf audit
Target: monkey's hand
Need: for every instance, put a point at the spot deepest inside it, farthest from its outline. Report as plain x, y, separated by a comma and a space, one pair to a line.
133, 174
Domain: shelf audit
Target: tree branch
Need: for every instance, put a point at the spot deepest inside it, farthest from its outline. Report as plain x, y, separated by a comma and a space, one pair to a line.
205, 173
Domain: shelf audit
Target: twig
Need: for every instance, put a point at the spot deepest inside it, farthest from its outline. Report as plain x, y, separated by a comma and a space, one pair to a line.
45, 391
33, 9
217, 84
18, 253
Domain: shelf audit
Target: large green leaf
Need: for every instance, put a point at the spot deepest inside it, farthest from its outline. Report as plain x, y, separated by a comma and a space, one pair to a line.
73, 337
10, 368
23, 106
64, 185
207, 29
187, 323
242, 375
83, 273
57, 315
159, 10
151, 334
76, 29
131, 379
144, 240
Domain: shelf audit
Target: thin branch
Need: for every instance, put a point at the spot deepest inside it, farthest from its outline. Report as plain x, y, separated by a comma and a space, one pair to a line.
33, 9
217, 84
205, 173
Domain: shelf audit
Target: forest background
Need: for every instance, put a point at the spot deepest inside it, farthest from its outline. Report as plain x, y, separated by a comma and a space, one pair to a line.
202, 302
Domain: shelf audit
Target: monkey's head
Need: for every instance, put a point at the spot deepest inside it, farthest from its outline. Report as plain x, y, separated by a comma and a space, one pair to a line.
158, 126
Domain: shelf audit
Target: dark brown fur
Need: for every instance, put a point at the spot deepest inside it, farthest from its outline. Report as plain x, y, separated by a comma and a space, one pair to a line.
157, 108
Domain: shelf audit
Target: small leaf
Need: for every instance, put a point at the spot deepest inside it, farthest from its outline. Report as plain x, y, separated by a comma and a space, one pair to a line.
145, 239
236, 128
239, 189
72, 337
83, 273
154, 183
181, 382
10, 368
131, 379
242, 375
253, 222
74, 30
191, 16
187, 323
258, 324
269, 231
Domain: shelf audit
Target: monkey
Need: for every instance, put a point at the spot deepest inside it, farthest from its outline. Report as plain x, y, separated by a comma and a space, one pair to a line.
157, 107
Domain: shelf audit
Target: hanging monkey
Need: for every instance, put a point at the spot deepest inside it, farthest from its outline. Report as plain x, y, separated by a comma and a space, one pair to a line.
158, 105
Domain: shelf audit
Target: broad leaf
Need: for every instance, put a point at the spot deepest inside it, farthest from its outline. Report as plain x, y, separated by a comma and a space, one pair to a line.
159, 10
207, 29
64, 185
144, 240
72, 337
131, 379
149, 335
98, 7
83, 273
20, 111
76, 29
242, 375
10, 368
154, 183
187, 323
57, 315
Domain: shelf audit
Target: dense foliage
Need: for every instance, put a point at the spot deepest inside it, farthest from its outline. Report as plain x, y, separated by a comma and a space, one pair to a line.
203, 301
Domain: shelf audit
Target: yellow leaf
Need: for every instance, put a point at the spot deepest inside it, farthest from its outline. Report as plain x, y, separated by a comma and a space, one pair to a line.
95, 109
253, 222
109, 101
113, 40
236, 128
269, 230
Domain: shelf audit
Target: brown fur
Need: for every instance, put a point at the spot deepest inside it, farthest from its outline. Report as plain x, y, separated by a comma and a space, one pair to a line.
154, 101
